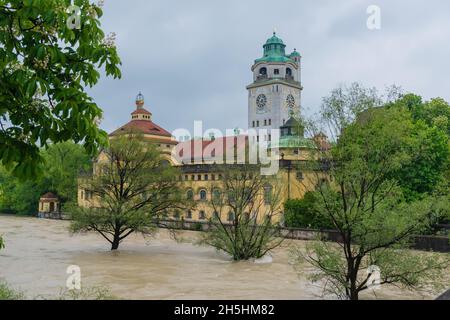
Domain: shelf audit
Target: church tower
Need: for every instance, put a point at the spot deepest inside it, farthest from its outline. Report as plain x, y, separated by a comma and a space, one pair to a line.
275, 94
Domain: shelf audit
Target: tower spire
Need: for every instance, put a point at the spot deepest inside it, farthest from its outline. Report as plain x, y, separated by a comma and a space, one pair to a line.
140, 101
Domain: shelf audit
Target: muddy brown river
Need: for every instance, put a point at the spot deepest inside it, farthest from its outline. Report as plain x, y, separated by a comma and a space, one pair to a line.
39, 251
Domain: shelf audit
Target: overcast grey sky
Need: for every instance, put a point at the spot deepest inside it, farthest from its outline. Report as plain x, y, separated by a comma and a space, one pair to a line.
191, 59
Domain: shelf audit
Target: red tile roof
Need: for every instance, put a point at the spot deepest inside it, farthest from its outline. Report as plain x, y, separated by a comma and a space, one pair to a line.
208, 149
49, 195
142, 126
141, 111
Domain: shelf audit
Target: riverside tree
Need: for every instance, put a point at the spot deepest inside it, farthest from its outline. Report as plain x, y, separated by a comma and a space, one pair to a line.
366, 206
46, 64
245, 209
132, 188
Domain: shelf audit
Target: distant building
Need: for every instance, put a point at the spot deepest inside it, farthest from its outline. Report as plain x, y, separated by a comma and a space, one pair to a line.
273, 103
49, 206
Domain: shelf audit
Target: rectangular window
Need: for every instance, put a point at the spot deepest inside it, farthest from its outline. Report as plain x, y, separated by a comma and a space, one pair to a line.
265, 122
206, 177
270, 122
199, 177
257, 123
213, 177
276, 71
192, 177
253, 124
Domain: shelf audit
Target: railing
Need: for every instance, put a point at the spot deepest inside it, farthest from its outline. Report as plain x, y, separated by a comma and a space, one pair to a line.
287, 78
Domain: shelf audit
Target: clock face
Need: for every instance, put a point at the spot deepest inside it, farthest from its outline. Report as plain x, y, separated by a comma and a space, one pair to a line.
261, 102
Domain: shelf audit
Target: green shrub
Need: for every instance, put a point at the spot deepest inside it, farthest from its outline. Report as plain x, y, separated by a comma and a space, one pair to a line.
7, 293
198, 226
302, 213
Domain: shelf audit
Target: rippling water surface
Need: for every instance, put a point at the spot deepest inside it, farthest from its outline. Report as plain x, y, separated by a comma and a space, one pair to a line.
39, 251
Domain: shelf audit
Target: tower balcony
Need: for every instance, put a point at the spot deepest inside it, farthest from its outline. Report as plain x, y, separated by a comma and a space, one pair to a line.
265, 77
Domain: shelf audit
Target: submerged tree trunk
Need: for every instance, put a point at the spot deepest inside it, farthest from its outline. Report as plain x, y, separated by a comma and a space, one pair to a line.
116, 241
115, 245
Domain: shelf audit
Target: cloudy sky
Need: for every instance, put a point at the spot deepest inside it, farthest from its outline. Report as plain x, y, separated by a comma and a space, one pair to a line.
192, 59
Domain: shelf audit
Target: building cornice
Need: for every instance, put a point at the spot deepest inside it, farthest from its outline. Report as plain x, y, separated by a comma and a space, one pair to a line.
291, 84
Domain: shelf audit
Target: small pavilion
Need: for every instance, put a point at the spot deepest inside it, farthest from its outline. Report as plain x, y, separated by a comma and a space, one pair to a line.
49, 205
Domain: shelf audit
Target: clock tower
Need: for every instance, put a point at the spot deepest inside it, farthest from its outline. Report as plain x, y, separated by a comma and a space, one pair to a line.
274, 96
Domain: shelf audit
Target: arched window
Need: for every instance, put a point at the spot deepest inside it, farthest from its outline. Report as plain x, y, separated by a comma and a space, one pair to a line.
190, 195
263, 71
267, 194
216, 194
230, 216
203, 195
289, 72
189, 215
231, 197
202, 215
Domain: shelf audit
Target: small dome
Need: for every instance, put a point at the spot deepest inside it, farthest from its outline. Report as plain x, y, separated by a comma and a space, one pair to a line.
274, 40
294, 53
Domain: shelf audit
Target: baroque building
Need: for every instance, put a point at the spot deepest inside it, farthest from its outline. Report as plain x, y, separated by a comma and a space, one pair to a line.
273, 104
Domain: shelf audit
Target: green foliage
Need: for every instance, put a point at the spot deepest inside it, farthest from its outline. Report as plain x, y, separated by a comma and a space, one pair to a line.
62, 164
45, 68
428, 171
132, 188
7, 293
302, 213
365, 202
435, 113
86, 293
244, 225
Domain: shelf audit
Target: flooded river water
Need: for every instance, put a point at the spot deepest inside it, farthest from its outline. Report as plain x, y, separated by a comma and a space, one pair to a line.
39, 251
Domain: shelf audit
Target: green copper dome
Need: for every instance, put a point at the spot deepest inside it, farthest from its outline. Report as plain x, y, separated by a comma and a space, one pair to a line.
274, 51
295, 54
274, 40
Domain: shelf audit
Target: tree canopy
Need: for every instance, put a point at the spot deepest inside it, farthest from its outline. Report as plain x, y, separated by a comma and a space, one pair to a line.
364, 197
45, 64
62, 165
132, 188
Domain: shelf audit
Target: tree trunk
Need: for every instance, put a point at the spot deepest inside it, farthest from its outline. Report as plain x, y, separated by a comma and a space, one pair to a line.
354, 295
115, 243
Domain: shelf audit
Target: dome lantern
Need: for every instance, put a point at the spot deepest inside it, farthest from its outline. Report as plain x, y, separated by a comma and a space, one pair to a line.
140, 101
